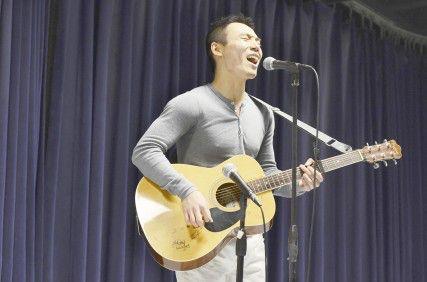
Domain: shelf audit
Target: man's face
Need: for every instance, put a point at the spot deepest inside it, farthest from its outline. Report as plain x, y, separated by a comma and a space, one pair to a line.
242, 53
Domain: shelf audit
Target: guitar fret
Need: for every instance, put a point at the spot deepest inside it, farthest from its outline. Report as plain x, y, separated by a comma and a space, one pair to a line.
278, 179
267, 183
285, 177
255, 186
341, 160
272, 181
258, 187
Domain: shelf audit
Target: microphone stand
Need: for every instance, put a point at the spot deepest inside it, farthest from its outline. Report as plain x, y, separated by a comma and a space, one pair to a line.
293, 231
241, 242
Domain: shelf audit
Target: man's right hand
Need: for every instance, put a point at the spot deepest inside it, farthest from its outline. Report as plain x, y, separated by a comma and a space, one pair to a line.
196, 210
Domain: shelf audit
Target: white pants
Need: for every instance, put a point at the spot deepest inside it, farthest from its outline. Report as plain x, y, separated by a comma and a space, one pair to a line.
223, 266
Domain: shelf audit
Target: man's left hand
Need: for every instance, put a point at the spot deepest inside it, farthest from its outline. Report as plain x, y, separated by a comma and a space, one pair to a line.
306, 182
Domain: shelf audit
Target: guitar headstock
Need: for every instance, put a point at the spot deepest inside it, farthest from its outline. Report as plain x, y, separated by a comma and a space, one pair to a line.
388, 150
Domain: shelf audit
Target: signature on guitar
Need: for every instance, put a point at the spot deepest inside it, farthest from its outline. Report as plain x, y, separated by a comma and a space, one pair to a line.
180, 245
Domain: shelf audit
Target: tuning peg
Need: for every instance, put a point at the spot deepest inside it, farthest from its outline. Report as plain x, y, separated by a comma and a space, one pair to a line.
387, 143
376, 143
395, 162
385, 163
375, 165
367, 144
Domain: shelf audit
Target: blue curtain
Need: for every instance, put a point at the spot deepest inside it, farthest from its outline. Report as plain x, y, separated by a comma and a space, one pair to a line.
22, 51
80, 81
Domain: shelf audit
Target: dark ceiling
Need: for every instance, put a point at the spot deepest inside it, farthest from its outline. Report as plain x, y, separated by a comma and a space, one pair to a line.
410, 15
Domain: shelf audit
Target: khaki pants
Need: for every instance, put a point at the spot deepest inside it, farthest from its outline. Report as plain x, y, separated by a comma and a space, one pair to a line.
223, 266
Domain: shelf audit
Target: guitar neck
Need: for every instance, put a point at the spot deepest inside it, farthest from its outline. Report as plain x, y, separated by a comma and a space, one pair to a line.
284, 178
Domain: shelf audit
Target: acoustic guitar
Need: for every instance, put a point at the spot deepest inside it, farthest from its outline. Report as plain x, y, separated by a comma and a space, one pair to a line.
176, 246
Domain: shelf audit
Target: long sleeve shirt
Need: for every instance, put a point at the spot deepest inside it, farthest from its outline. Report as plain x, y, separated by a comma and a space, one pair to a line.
207, 131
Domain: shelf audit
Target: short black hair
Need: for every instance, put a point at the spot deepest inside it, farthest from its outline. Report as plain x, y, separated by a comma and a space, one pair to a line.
216, 32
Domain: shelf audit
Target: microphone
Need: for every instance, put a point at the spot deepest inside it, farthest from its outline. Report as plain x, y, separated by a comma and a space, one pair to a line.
230, 171
271, 63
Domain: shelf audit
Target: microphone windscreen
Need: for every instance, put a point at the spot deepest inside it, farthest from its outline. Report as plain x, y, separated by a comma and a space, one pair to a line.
268, 63
227, 169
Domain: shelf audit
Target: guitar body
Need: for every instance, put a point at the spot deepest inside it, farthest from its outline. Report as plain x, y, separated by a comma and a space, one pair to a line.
175, 245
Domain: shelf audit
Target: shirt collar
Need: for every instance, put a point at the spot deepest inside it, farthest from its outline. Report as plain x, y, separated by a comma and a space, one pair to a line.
229, 102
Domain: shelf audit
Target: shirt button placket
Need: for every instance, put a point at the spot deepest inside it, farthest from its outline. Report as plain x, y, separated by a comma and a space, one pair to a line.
240, 131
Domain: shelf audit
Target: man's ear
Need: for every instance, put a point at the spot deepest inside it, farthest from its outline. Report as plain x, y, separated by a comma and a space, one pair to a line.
217, 49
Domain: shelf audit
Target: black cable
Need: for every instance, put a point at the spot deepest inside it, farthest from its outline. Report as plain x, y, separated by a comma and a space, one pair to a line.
264, 234
138, 226
316, 153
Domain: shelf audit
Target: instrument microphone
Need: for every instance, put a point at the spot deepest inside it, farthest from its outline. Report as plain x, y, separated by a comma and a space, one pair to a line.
230, 171
271, 63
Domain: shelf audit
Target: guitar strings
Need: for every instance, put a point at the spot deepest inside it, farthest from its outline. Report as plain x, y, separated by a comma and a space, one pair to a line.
329, 163
271, 178
232, 192
281, 178
277, 177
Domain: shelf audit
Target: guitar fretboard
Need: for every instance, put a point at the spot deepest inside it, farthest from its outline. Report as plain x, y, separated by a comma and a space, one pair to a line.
284, 178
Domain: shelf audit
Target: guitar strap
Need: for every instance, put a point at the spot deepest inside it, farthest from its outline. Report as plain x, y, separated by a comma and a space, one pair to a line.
326, 139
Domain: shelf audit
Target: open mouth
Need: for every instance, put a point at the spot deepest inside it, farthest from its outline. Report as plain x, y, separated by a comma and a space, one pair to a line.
253, 59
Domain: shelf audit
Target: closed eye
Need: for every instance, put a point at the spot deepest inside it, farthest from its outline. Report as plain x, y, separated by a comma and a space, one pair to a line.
248, 37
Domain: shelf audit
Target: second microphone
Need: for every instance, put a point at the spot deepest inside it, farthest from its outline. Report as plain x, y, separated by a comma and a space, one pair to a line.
230, 171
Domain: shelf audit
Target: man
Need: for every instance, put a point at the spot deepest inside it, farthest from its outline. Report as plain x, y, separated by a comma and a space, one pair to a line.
210, 124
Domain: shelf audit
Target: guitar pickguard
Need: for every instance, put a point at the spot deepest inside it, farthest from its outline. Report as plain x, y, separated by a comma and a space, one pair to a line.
222, 219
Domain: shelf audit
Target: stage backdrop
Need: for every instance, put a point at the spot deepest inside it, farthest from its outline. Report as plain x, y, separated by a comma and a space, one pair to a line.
80, 82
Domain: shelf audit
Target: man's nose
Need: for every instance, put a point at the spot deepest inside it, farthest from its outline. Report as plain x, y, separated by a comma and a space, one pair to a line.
255, 46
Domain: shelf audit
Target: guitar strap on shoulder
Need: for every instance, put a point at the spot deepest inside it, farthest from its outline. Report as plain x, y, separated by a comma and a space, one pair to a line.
326, 139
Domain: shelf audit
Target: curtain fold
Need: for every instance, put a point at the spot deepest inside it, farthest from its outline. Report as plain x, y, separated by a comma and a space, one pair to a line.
22, 35
68, 126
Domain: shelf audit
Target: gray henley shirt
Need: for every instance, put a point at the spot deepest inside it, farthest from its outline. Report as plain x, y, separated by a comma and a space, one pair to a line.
206, 130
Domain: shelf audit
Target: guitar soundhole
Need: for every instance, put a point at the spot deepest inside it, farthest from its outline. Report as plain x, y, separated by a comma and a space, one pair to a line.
228, 195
